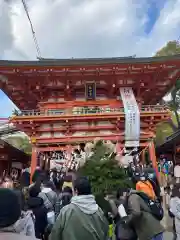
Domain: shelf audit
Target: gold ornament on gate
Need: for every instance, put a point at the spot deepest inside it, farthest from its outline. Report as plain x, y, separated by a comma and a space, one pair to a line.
33, 140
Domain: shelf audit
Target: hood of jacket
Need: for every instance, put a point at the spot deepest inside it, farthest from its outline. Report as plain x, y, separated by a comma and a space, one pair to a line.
86, 203
21, 224
35, 202
175, 205
14, 236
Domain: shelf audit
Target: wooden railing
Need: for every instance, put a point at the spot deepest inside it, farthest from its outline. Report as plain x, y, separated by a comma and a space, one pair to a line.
84, 111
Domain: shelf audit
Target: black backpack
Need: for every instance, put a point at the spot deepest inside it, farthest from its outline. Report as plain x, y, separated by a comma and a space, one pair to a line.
154, 206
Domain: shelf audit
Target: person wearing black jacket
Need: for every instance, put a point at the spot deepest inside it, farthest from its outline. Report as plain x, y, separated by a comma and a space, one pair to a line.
25, 179
63, 199
122, 231
36, 204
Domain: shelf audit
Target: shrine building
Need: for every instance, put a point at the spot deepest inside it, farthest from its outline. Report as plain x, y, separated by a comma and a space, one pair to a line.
66, 102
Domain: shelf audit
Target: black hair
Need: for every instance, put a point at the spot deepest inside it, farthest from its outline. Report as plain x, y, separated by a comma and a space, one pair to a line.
82, 146
120, 192
76, 151
67, 190
68, 178
176, 190
34, 190
49, 184
82, 186
38, 176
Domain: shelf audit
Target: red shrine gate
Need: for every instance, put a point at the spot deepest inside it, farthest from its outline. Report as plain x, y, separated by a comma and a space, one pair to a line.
67, 102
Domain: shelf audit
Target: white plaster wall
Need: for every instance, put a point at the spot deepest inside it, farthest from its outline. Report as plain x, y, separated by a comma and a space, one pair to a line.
81, 124
45, 126
51, 100
45, 135
60, 100
104, 123
105, 132
58, 134
80, 134
57, 125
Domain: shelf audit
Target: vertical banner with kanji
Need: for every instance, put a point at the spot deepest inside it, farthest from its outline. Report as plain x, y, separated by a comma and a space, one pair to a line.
90, 91
132, 117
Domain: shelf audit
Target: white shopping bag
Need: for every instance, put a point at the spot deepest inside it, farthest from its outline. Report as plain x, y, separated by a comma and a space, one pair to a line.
122, 211
51, 217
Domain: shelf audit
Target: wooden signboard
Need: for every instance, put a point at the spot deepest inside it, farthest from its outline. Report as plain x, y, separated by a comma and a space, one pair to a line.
90, 91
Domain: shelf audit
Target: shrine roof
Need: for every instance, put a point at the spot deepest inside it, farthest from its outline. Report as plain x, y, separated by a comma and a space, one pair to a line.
14, 154
28, 82
169, 144
89, 61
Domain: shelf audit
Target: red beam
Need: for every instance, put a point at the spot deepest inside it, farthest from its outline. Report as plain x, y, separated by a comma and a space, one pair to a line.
87, 128
75, 139
80, 128
73, 78
51, 149
111, 103
85, 117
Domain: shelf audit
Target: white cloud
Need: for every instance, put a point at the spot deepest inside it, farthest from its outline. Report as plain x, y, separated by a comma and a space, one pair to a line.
85, 28
6, 34
165, 29
78, 28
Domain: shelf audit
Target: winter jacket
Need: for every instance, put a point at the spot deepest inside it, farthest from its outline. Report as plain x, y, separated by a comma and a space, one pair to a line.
123, 231
38, 176
49, 198
36, 204
141, 218
25, 179
106, 207
81, 219
24, 226
62, 200
175, 210
14, 236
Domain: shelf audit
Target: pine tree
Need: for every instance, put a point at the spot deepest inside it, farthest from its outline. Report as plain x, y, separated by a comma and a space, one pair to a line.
103, 171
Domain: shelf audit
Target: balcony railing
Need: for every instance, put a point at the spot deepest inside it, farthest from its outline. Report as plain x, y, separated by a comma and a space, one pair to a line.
84, 111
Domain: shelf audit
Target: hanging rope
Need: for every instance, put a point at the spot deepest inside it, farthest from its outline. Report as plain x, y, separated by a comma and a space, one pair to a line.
32, 30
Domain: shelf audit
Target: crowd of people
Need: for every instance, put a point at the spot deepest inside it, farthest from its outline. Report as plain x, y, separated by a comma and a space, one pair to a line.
54, 208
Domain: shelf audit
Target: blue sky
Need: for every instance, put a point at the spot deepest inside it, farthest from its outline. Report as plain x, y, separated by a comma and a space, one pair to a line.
83, 28
153, 13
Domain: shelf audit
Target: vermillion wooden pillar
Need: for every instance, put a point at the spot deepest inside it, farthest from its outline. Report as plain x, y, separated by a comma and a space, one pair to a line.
152, 155
33, 161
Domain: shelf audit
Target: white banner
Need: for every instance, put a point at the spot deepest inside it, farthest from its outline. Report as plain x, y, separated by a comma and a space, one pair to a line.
57, 163
132, 117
